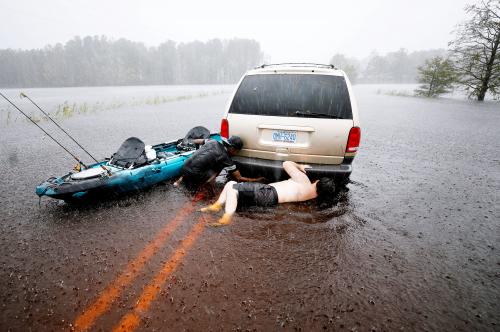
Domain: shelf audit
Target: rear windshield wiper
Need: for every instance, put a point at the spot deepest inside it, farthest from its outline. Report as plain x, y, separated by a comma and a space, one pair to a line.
316, 115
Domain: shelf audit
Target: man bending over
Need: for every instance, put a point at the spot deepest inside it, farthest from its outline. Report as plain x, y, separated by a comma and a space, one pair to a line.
296, 189
209, 160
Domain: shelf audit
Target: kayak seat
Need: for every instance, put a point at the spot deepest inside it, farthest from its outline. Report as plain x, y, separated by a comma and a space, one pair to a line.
198, 132
130, 154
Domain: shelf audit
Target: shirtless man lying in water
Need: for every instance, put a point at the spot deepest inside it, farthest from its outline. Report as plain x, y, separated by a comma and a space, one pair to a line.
296, 189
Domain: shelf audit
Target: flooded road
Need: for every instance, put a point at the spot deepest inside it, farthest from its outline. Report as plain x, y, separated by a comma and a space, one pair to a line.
413, 243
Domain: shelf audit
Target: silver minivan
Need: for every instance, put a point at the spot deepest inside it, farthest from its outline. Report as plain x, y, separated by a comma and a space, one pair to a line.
305, 113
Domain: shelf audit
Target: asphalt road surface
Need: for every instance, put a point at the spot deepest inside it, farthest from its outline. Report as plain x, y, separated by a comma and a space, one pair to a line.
413, 242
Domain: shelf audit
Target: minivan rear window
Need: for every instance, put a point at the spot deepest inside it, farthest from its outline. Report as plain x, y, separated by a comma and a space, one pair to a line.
293, 95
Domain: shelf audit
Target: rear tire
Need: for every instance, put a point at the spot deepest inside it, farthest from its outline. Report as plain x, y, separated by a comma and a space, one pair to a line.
342, 182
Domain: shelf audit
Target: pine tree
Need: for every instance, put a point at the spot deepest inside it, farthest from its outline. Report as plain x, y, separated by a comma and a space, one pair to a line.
436, 76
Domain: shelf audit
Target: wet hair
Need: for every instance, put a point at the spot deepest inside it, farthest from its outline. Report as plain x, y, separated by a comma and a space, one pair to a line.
325, 188
234, 142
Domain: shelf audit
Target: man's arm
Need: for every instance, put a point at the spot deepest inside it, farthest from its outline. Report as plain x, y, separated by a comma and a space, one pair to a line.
199, 141
296, 172
230, 166
239, 178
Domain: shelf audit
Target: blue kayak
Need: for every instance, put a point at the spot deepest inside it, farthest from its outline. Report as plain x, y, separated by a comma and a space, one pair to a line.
134, 167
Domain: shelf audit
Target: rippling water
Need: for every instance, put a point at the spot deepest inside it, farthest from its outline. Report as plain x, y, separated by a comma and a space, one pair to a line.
412, 242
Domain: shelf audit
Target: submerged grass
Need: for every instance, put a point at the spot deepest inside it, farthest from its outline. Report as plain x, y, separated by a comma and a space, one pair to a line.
8, 116
68, 110
397, 93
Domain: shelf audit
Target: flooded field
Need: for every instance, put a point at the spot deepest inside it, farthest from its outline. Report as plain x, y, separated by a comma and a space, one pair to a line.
69, 102
413, 242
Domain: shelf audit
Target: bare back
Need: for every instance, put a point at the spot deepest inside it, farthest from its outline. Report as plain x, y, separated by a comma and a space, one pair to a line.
296, 189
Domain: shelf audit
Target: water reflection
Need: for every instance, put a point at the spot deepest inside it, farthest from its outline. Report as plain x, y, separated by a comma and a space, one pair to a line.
162, 197
309, 212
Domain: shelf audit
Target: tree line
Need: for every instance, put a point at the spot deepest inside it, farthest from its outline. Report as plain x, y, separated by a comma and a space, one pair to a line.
474, 57
98, 61
472, 61
394, 67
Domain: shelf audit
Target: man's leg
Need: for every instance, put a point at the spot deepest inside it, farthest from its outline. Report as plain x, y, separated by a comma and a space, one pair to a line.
178, 182
210, 184
231, 200
222, 199
192, 181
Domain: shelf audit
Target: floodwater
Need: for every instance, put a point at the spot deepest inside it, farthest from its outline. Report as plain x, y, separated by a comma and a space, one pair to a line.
412, 243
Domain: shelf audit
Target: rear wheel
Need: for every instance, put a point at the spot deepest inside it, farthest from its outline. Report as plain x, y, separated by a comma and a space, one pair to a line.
342, 182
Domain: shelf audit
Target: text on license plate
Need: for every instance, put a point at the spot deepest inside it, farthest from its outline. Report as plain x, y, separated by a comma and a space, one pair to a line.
286, 136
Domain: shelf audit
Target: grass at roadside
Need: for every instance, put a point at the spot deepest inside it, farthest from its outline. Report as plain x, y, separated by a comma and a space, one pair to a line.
69, 109
397, 93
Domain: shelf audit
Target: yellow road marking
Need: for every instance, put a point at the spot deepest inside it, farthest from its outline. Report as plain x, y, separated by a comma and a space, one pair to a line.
131, 321
87, 319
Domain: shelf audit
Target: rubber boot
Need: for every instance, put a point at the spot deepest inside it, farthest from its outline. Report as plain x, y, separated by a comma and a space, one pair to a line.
216, 207
224, 220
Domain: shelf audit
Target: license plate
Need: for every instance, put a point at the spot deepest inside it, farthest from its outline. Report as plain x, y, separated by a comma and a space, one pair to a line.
286, 136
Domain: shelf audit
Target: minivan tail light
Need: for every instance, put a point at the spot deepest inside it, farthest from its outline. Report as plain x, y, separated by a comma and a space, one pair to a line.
224, 128
353, 140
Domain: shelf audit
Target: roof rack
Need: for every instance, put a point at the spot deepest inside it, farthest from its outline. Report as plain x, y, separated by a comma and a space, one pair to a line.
298, 64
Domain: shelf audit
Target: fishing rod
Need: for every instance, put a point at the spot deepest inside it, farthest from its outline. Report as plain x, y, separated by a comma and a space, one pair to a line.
23, 95
46, 133
64, 131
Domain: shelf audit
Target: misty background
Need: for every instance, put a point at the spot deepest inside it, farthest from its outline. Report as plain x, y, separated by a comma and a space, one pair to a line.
90, 43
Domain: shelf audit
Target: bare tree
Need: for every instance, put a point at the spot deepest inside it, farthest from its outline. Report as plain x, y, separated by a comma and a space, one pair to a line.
475, 49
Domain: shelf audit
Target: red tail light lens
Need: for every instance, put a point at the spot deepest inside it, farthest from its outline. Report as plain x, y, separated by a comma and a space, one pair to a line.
353, 140
224, 128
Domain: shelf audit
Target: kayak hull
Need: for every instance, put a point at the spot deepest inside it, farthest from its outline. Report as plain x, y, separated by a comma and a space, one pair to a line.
119, 180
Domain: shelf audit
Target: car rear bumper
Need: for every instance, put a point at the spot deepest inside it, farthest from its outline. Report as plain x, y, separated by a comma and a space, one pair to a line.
273, 169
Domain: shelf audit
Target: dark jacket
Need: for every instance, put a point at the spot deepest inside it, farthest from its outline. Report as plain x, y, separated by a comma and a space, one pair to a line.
208, 160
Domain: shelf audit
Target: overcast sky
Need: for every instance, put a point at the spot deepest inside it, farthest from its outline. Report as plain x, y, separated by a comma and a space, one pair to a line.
287, 31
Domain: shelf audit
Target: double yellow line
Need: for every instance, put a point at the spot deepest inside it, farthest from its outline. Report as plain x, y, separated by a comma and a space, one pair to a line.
106, 298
